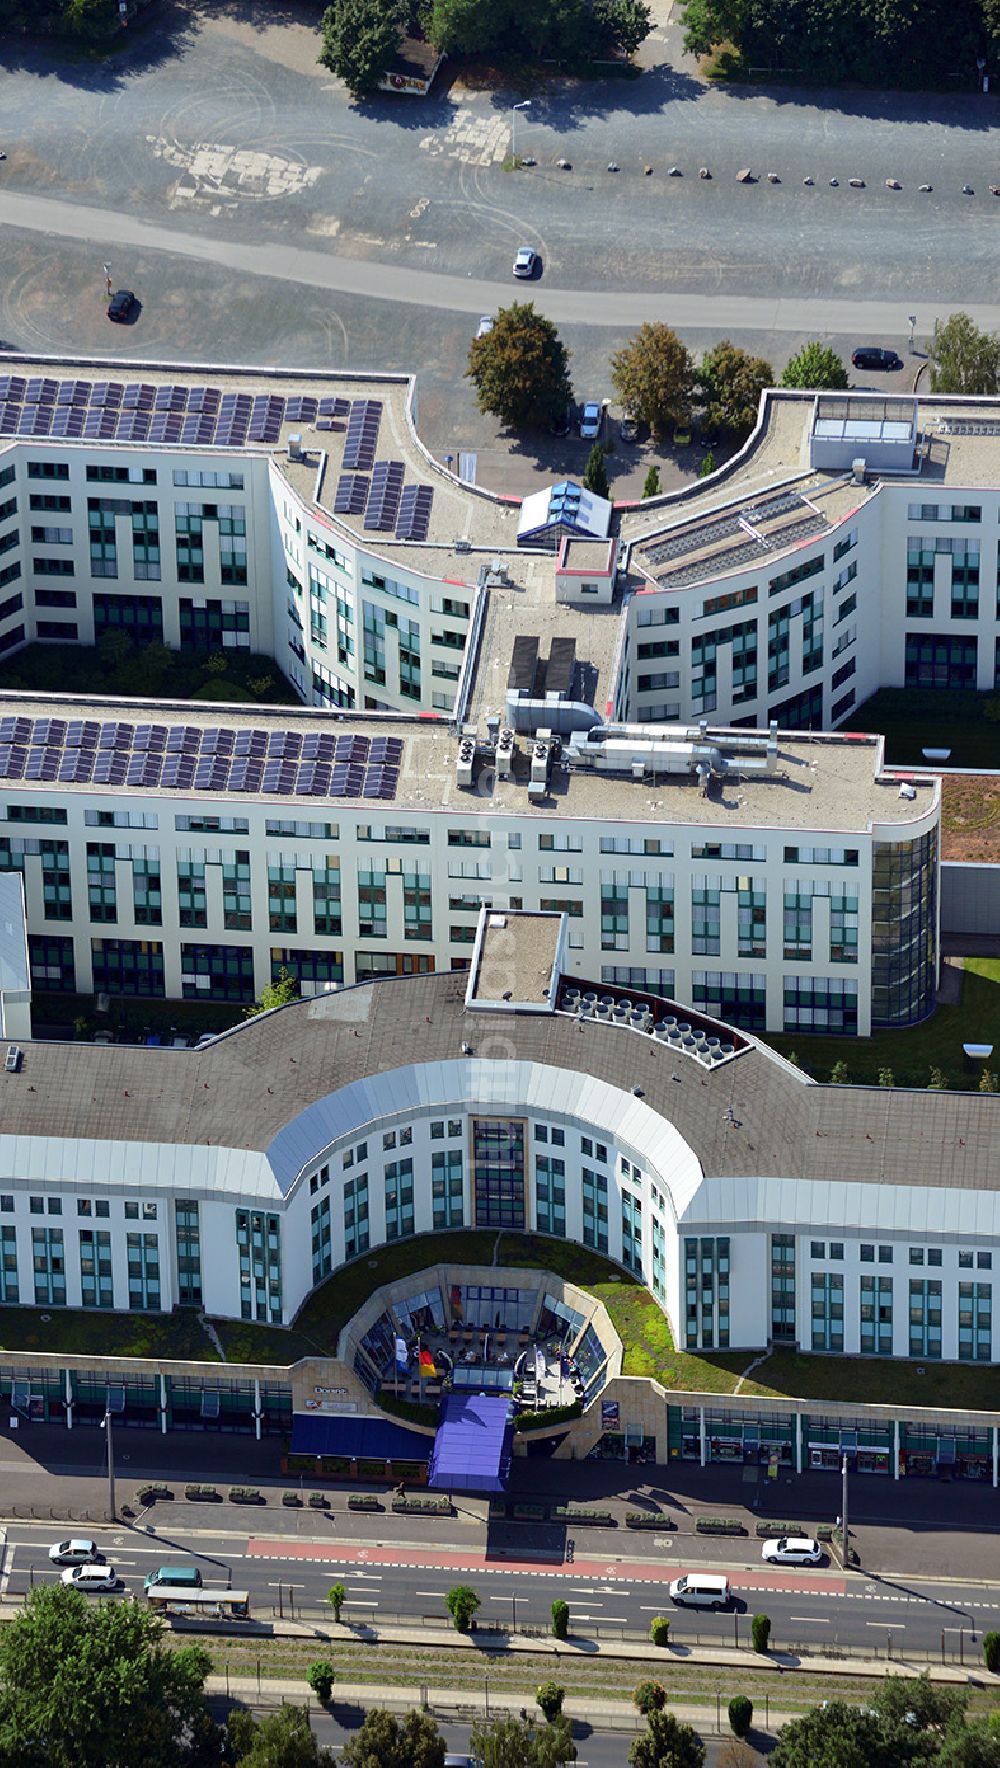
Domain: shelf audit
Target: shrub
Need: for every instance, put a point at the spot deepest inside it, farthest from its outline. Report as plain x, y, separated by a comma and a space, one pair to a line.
650, 1697
659, 1629
549, 1696
319, 1501
760, 1631
741, 1714
462, 1603
320, 1678
336, 1596
991, 1652
291, 1499
560, 1618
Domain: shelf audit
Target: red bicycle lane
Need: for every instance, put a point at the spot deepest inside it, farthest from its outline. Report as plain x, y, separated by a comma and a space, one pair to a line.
621, 1571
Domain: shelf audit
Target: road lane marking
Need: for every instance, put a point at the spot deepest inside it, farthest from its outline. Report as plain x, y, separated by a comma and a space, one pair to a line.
816, 1620
893, 1626
441, 1593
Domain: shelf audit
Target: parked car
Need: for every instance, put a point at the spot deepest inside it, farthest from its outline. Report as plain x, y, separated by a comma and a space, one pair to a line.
97, 1579
628, 428
526, 262
682, 436
792, 1550
75, 1553
122, 306
873, 356
485, 326
591, 419
561, 425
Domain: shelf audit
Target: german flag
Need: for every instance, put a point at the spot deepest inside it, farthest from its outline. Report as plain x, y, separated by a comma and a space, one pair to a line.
427, 1366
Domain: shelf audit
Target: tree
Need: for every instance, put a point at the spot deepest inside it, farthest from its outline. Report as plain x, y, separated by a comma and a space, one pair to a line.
735, 1753
285, 1739
969, 1746
387, 1742
740, 1714
707, 22
707, 465
462, 1603
467, 27
667, 1743
938, 1082
963, 358
651, 483
659, 1630
732, 382
839, 1076
815, 366
320, 1677
89, 20
919, 1703
654, 378
514, 1743
520, 370
98, 1685
886, 1078
841, 1736
595, 474
279, 993
361, 40
148, 670
991, 1652
336, 1596
625, 23
560, 1618
550, 1696
987, 1081
649, 1697
760, 1632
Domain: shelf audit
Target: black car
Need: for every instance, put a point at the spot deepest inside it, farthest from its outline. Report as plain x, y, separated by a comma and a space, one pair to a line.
873, 356
122, 306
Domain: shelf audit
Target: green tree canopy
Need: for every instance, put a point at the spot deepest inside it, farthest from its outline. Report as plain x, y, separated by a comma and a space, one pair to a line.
595, 473
732, 382
516, 1743
384, 1741
919, 1701
520, 370
468, 27
667, 1743
963, 358
361, 39
93, 1686
815, 366
899, 44
278, 993
625, 23
285, 1739
970, 1746
654, 378
842, 1736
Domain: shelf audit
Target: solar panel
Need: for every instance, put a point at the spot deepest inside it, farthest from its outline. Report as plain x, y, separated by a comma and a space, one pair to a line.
40, 391
362, 434
12, 386
352, 494
413, 520
383, 499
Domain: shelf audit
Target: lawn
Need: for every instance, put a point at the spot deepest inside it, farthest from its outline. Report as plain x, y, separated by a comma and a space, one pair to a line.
966, 722
82, 1332
327, 1311
244, 1341
116, 667
911, 1053
874, 1380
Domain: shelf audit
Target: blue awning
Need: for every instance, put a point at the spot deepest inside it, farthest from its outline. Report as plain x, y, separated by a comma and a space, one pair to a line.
317, 1433
473, 1446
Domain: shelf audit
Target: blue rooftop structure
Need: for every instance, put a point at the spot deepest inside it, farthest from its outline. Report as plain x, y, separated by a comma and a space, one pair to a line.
319, 1433
474, 1444
550, 515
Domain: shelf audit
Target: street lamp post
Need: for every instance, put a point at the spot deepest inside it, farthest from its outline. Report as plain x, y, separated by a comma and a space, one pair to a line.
524, 105
106, 1425
912, 321
107, 278
843, 1515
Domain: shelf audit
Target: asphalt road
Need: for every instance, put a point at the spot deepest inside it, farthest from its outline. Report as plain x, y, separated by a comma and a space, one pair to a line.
819, 1609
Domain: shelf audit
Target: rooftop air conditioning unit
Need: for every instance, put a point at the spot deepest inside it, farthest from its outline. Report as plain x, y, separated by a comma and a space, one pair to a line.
907, 791
859, 470
463, 544
295, 447
466, 757
505, 754
539, 763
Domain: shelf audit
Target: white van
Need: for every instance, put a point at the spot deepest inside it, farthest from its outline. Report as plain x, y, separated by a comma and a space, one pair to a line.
700, 1590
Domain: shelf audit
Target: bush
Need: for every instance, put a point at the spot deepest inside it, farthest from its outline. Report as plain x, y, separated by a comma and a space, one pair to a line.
462, 1603
719, 1525
991, 1652
580, 1515
741, 1714
320, 1678
201, 1492
550, 1696
659, 1629
245, 1495
336, 1596
319, 1501
644, 1519
552, 1415
560, 1618
760, 1631
291, 1499
362, 1501
650, 1697
152, 1494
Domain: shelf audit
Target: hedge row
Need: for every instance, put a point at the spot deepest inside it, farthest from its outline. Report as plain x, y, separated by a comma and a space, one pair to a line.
719, 1525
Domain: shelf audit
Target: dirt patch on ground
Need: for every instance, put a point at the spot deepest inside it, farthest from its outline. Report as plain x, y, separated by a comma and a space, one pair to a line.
970, 818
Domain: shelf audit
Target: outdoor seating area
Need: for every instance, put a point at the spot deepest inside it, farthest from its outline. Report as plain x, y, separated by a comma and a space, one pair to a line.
483, 1339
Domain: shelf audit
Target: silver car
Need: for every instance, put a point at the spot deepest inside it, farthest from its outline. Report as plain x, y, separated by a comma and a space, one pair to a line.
75, 1553
792, 1550
526, 262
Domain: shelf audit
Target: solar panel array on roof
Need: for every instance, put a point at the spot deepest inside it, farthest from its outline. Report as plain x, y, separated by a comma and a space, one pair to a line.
413, 520
311, 763
383, 498
362, 435
173, 414
352, 494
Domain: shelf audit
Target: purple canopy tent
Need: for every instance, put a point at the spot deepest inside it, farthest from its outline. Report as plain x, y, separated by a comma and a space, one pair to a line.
473, 1446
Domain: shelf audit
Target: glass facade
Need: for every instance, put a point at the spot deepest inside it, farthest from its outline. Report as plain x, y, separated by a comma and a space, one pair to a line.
827, 1310
498, 1169
258, 1241
143, 1272
447, 1198
550, 1194
187, 1235
904, 929
783, 1288
876, 1316
96, 1275
706, 1275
